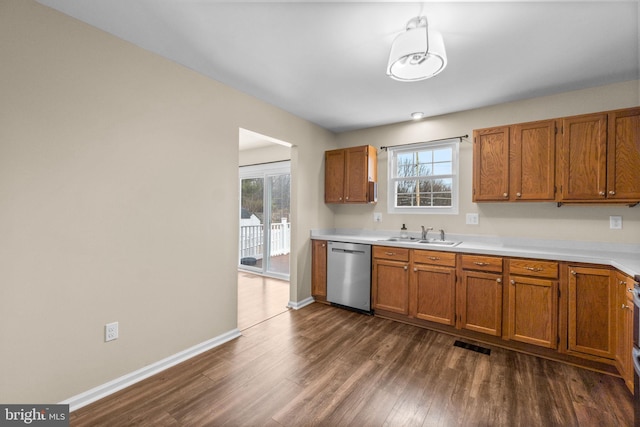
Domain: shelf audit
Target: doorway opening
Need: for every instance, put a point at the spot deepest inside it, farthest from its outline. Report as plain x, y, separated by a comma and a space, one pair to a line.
265, 228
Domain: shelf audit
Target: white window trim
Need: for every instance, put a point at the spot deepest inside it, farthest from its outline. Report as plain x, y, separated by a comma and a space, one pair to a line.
391, 163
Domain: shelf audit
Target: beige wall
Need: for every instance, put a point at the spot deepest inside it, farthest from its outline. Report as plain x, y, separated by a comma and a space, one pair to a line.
118, 202
272, 153
532, 220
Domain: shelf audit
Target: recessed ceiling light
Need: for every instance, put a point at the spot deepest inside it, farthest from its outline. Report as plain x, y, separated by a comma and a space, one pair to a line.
417, 115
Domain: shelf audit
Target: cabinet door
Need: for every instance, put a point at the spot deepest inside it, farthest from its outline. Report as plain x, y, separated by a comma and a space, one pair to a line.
584, 157
433, 293
334, 176
533, 311
624, 328
623, 155
592, 300
533, 161
356, 175
628, 337
319, 269
480, 302
390, 286
491, 164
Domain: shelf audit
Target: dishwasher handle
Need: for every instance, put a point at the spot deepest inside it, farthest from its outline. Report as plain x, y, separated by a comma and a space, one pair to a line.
347, 251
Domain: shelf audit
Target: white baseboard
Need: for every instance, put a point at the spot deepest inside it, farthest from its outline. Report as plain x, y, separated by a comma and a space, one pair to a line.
300, 304
104, 390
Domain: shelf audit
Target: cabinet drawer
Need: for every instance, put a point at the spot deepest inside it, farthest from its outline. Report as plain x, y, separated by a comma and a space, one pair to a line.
534, 267
385, 252
482, 263
447, 259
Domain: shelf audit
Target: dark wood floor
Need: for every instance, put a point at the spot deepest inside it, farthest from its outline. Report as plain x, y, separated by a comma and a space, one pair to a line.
327, 366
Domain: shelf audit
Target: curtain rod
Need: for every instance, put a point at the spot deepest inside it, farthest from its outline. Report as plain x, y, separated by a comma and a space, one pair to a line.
461, 137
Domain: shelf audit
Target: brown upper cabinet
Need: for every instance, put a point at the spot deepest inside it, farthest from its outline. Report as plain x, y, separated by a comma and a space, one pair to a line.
513, 163
580, 159
350, 175
491, 164
583, 147
532, 159
600, 153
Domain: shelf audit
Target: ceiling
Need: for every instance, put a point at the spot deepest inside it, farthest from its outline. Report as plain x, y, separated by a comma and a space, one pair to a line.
326, 61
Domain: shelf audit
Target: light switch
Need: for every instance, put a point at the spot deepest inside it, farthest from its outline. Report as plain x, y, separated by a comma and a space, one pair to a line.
472, 219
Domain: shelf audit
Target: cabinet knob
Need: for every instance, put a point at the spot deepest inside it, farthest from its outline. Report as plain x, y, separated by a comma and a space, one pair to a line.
519, 194
574, 273
480, 263
415, 269
612, 192
601, 193
406, 267
499, 280
347, 198
513, 282
433, 258
624, 306
323, 245
505, 194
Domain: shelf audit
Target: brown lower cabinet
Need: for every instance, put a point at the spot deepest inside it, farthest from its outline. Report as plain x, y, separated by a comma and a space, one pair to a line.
319, 270
480, 296
390, 279
433, 287
624, 321
579, 313
591, 311
533, 302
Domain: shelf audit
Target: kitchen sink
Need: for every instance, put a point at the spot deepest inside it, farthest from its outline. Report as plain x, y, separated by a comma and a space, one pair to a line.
422, 241
439, 242
401, 239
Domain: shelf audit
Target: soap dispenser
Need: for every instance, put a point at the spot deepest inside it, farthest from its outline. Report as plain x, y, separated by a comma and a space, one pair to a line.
403, 232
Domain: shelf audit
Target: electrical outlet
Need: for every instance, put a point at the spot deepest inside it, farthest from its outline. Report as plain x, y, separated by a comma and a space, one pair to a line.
615, 222
472, 219
111, 331
377, 216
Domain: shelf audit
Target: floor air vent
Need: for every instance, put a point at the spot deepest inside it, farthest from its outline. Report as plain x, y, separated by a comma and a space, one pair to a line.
472, 347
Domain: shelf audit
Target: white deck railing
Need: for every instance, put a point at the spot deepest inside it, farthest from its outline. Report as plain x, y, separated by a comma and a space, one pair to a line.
252, 240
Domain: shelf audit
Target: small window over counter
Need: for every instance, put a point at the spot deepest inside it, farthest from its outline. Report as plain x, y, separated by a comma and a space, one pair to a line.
423, 178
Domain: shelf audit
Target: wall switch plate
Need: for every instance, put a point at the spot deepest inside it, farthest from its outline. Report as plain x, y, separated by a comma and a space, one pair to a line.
111, 331
377, 216
615, 222
472, 219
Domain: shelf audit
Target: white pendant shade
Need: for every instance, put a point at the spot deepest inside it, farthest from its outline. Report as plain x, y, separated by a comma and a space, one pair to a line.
417, 54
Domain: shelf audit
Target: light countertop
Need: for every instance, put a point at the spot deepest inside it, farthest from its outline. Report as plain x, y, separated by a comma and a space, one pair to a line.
623, 257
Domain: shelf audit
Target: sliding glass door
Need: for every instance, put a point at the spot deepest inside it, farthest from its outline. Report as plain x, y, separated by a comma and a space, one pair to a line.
265, 230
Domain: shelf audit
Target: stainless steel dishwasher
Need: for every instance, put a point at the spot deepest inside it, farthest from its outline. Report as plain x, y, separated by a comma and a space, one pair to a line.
349, 275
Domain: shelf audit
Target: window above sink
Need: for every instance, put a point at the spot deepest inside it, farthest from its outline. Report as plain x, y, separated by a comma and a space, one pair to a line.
423, 178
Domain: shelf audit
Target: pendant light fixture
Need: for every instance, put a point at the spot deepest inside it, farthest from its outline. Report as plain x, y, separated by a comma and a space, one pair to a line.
418, 53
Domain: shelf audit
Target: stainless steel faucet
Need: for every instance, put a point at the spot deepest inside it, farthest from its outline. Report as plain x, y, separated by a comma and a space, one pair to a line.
442, 234
425, 231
